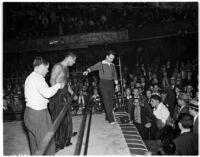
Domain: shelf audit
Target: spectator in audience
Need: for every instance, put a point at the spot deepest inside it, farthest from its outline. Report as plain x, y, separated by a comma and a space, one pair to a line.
139, 116
171, 96
189, 90
187, 142
161, 115
81, 99
128, 100
168, 148
97, 100
181, 108
194, 111
147, 101
165, 82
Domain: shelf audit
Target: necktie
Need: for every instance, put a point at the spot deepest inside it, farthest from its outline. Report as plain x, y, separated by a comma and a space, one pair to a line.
137, 114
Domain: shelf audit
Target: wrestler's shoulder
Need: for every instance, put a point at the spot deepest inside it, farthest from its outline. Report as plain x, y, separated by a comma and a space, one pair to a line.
57, 65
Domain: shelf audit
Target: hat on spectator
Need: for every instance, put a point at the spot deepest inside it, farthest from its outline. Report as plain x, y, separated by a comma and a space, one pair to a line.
194, 104
183, 96
156, 93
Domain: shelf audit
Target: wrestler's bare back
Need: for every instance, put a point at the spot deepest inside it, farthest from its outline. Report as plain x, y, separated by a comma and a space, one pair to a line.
59, 74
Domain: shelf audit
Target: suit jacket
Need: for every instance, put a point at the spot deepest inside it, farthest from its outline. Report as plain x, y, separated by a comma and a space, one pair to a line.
129, 104
170, 100
196, 125
186, 144
144, 114
177, 111
147, 105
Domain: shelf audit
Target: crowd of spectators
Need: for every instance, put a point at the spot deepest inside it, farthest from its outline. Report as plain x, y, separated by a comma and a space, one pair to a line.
28, 20
163, 103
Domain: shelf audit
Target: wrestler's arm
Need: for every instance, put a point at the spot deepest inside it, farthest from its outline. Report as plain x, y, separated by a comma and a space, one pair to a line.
54, 74
71, 91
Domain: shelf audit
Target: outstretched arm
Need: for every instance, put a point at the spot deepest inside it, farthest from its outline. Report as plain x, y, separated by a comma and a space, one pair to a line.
95, 67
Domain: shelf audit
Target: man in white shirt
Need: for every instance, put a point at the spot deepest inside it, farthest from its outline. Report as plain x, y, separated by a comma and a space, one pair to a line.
162, 118
160, 111
36, 117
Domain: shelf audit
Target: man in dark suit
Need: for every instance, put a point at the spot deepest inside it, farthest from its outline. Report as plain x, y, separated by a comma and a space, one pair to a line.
139, 115
170, 100
187, 142
194, 111
182, 107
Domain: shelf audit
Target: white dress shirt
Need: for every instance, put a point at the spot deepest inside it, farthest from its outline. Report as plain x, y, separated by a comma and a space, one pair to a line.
161, 113
37, 91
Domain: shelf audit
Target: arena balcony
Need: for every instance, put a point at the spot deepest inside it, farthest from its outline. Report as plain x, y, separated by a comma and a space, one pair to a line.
84, 40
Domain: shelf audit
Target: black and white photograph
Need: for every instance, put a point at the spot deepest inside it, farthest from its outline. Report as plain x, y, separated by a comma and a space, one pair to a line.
100, 78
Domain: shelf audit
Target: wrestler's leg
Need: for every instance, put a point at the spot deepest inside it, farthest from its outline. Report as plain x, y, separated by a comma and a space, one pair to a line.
69, 127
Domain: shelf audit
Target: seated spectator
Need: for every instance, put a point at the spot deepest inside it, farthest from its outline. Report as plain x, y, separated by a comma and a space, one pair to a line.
128, 100
161, 116
156, 89
163, 95
182, 107
165, 82
147, 101
189, 90
139, 116
187, 142
178, 89
171, 97
194, 111
81, 101
168, 148
97, 100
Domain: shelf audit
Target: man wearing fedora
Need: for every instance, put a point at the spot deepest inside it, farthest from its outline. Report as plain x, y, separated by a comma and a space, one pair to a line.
181, 108
171, 97
194, 110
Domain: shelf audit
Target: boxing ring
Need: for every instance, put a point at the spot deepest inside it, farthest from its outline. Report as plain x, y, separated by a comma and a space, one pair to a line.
95, 135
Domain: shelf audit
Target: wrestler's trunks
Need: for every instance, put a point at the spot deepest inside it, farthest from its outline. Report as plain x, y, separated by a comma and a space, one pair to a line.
64, 132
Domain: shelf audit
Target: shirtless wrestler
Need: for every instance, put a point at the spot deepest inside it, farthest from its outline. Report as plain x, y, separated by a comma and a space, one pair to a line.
60, 74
